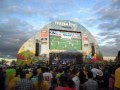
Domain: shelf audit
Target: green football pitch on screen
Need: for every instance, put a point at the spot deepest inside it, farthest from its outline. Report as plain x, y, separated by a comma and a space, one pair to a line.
58, 43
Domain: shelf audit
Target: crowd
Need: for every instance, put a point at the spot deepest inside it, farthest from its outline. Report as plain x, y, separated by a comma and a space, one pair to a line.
61, 77
86, 77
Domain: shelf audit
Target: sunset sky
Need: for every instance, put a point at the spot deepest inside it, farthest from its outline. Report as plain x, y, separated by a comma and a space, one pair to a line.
22, 19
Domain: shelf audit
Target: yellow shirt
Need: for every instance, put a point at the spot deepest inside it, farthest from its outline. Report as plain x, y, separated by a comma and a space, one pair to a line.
39, 71
11, 81
16, 79
117, 77
28, 75
44, 85
58, 77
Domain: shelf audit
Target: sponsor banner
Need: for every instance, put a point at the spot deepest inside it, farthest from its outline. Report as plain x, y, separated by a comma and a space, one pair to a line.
55, 33
85, 38
44, 34
66, 35
76, 35
63, 34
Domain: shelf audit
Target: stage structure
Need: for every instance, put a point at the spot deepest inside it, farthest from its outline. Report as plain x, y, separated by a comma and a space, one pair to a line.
63, 42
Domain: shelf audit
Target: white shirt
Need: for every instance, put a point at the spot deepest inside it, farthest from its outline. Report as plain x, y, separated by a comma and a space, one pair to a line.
76, 81
48, 77
94, 71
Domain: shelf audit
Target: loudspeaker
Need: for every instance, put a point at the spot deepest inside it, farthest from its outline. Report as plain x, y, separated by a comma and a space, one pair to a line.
93, 50
37, 49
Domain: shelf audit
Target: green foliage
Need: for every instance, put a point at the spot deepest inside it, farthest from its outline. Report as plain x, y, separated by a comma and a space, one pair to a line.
3, 61
28, 56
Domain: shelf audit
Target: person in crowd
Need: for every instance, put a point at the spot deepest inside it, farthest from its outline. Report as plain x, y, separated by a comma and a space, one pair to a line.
94, 71
42, 84
63, 76
28, 74
76, 79
54, 80
17, 77
62, 81
11, 73
47, 76
90, 84
18, 70
111, 81
100, 79
118, 57
24, 84
117, 78
60, 72
34, 79
69, 84
2, 79
106, 75
82, 78
39, 70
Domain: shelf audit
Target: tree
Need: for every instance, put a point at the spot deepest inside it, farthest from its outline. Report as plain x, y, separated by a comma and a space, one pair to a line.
13, 63
3, 61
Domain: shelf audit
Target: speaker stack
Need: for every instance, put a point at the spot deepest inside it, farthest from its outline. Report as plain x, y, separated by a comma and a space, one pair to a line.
37, 48
93, 49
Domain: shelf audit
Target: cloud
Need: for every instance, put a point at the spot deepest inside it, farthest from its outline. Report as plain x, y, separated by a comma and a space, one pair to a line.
48, 9
110, 43
37, 7
84, 10
114, 26
110, 16
13, 33
116, 3
111, 48
108, 23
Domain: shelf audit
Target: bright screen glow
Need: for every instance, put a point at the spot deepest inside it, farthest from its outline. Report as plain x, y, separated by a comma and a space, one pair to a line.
64, 40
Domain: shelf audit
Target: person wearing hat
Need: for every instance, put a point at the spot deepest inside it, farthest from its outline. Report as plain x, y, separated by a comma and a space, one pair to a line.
100, 79
99, 73
90, 84
94, 71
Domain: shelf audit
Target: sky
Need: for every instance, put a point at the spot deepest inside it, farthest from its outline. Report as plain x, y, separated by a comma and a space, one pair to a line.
22, 19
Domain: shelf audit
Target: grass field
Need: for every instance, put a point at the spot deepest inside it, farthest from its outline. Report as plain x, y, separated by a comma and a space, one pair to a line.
58, 43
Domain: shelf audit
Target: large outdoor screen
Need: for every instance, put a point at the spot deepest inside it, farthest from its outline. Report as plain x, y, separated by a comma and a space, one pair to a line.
64, 40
